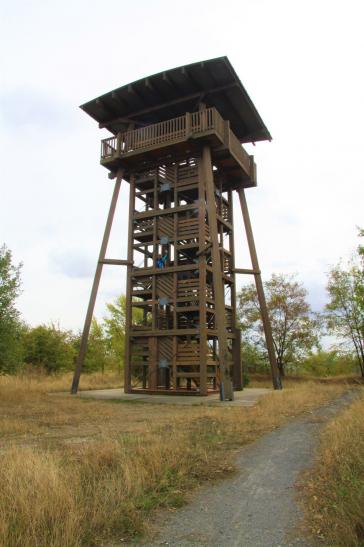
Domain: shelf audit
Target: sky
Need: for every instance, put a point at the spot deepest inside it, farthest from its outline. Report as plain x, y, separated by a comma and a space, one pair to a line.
301, 63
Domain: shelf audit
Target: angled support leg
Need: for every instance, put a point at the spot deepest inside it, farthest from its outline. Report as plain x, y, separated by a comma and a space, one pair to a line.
226, 388
260, 290
95, 286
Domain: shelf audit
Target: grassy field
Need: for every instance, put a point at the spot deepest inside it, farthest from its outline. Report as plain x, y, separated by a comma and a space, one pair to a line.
80, 472
334, 490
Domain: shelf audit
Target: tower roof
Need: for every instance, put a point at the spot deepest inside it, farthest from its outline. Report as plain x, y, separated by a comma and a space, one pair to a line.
174, 92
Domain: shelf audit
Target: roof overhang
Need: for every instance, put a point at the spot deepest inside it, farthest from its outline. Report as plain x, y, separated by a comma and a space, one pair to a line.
174, 92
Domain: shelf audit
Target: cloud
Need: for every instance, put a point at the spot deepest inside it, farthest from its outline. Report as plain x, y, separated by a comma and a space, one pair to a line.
25, 106
74, 264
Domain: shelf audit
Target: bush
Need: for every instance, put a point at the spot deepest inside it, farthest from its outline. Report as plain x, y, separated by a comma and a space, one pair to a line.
49, 348
328, 363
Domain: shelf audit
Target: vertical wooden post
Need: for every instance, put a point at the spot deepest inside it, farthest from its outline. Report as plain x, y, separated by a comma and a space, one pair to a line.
202, 278
188, 124
259, 285
128, 307
95, 286
226, 389
175, 279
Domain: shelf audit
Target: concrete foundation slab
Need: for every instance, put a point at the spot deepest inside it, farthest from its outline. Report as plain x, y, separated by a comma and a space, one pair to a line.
247, 397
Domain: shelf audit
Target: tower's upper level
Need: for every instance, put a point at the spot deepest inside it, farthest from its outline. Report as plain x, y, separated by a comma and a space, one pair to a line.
176, 109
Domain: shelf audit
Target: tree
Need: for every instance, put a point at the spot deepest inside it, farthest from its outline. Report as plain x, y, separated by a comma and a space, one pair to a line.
49, 348
114, 326
10, 324
294, 326
97, 356
115, 329
345, 311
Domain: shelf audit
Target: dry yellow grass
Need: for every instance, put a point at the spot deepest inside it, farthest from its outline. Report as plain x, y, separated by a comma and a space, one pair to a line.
334, 490
78, 472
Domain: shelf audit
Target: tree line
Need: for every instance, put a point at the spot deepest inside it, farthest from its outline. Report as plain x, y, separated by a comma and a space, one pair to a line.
297, 330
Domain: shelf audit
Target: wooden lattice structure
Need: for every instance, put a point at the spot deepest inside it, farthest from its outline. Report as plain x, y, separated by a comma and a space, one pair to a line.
177, 141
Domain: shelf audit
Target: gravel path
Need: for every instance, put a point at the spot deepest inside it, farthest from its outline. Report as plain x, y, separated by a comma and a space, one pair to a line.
257, 507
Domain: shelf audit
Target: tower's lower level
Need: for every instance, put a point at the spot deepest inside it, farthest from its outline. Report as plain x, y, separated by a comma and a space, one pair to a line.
172, 331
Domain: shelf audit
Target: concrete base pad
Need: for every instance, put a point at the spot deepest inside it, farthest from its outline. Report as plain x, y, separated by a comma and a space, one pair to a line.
247, 397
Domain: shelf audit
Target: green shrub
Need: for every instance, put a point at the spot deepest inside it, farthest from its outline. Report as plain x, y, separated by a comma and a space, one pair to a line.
49, 348
328, 363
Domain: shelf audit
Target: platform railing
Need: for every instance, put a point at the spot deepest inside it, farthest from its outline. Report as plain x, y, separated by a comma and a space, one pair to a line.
174, 130
238, 151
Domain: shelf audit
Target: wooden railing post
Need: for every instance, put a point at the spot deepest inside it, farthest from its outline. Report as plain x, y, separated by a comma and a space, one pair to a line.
188, 125
227, 133
253, 170
118, 145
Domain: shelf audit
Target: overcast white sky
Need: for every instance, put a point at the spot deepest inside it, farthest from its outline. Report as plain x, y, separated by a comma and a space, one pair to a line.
300, 61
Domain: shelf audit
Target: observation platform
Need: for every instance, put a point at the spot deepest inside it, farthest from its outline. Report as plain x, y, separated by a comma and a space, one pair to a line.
182, 136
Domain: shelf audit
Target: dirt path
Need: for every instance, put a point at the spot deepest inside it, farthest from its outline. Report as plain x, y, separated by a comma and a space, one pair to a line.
257, 507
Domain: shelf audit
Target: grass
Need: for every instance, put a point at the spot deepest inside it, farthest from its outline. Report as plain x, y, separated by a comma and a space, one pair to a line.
79, 472
334, 490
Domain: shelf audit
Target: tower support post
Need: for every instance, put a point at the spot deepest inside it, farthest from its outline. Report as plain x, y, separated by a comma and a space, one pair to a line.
128, 307
95, 285
260, 291
202, 279
226, 388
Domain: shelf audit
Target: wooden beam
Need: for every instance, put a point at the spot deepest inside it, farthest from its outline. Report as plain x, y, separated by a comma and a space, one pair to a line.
260, 290
174, 332
128, 306
95, 286
166, 105
167, 211
115, 261
226, 389
236, 343
246, 271
202, 276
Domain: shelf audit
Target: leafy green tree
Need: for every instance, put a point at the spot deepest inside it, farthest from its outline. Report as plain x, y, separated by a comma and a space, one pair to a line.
11, 327
114, 326
345, 311
253, 358
49, 348
97, 356
294, 326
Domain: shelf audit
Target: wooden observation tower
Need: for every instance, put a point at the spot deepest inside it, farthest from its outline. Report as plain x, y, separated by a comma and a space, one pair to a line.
177, 140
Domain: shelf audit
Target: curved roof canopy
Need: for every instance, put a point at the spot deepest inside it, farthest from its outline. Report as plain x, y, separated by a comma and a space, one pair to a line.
174, 92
